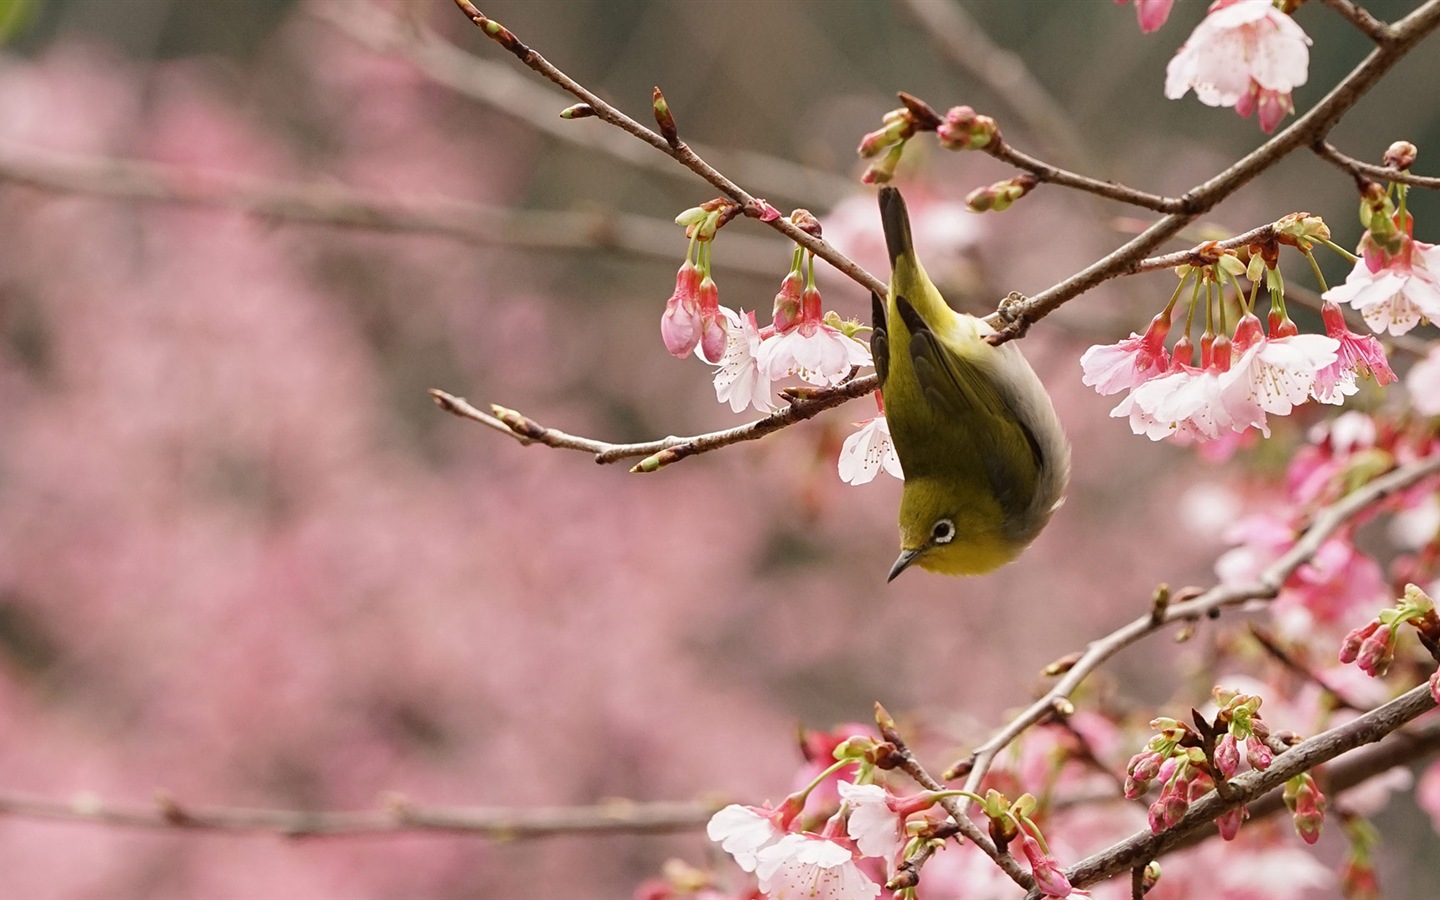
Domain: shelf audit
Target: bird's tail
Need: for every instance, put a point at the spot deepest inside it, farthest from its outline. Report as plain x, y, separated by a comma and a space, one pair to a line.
895, 219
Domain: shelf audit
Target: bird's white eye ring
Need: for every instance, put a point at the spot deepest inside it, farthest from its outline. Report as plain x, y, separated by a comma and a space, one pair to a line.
943, 531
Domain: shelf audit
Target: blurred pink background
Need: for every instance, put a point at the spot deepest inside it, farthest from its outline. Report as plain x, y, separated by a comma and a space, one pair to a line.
245, 560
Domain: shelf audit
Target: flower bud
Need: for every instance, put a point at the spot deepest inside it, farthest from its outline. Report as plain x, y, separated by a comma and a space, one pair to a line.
1257, 754
1227, 756
1400, 155
1229, 823
963, 129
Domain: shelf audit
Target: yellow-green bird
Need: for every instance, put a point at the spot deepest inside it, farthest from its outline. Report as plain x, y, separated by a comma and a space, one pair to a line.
985, 459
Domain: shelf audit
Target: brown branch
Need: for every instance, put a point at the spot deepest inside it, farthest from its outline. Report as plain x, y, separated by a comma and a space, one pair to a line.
1049, 174
1144, 846
681, 152
1305, 131
1330, 154
1358, 16
397, 816
906, 762
1325, 523
500, 87
1271, 645
664, 451
1003, 72
344, 207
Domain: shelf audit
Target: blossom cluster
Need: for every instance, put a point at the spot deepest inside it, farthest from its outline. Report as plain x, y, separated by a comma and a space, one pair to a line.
802, 340
1243, 377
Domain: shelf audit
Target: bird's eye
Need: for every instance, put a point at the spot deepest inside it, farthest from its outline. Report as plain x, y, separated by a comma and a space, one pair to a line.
943, 532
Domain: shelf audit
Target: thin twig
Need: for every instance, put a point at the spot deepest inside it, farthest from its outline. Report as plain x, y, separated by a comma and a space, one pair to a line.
1047, 173
1003, 72
1304, 756
665, 450
398, 816
1271, 645
907, 762
681, 151
1330, 154
1325, 523
501, 88
344, 207
1358, 16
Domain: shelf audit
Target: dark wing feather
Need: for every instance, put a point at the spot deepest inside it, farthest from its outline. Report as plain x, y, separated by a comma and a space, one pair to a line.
958, 391
879, 339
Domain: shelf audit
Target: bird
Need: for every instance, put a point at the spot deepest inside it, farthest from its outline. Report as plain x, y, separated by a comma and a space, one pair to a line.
984, 457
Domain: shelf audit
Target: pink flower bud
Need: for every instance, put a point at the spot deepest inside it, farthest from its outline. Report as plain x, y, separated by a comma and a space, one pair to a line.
1257, 754
1145, 765
1048, 877
1350, 647
1377, 652
1400, 155
1227, 756
786, 314
680, 324
1157, 817
1435, 686
963, 129
1229, 823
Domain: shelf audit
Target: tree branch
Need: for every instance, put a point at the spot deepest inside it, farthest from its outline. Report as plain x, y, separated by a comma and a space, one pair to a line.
1305, 131
664, 451
1267, 587
1327, 152
498, 86
1144, 846
680, 152
344, 207
398, 816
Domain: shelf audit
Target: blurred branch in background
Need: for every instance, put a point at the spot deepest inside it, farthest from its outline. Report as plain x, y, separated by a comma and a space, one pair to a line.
346, 207
398, 816
498, 85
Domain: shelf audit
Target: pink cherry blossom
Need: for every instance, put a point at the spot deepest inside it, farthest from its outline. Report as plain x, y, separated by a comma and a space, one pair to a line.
809, 867
743, 831
1394, 293
876, 827
738, 379
815, 351
1357, 355
1245, 54
1198, 404
680, 323
868, 451
1423, 383
1278, 374
1151, 13
1111, 368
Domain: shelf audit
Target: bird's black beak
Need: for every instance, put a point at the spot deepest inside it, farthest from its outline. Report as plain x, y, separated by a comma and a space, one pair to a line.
902, 563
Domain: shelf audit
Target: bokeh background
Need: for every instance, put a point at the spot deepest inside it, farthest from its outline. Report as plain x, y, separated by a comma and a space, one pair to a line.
246, 561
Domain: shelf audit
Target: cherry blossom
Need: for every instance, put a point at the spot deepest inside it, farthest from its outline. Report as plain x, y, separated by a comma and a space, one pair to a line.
1246, 54
1357, 355
743, 831
810, 348
738, 379
876, 827
1111, 368
868, 451
1394, 292
809, 867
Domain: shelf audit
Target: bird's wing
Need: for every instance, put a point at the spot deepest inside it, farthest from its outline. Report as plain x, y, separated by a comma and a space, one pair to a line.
879, 339
956, 390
